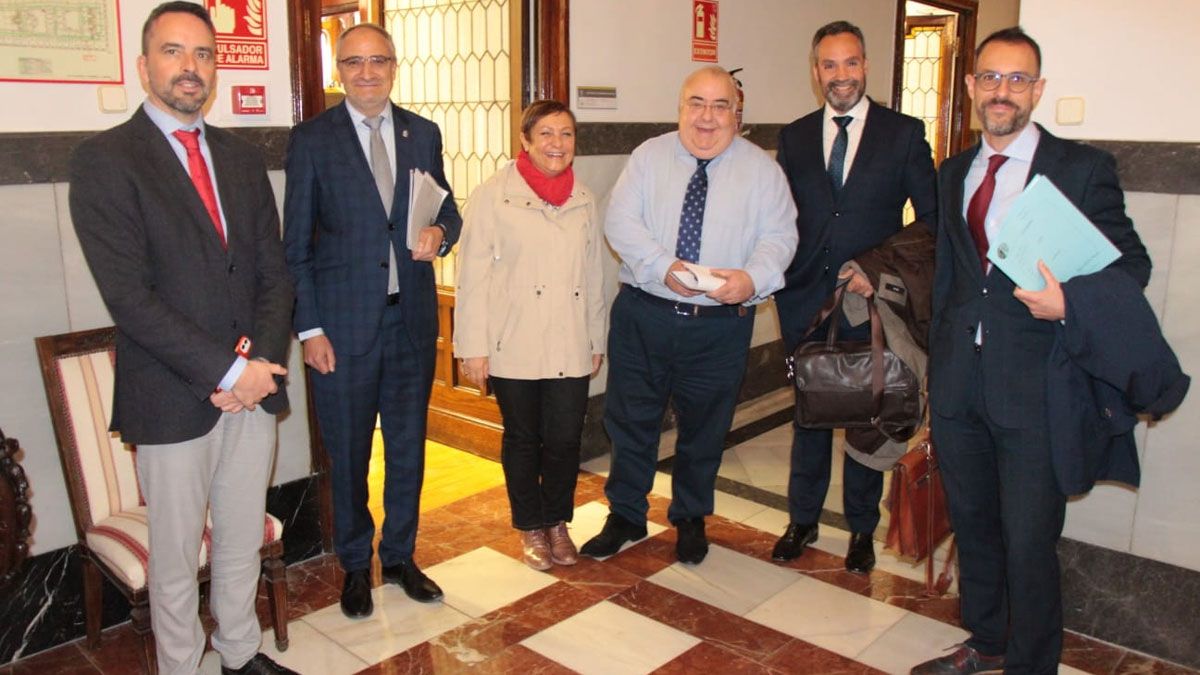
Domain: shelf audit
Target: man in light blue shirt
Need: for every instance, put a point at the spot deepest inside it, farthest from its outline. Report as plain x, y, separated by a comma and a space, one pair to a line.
699, 195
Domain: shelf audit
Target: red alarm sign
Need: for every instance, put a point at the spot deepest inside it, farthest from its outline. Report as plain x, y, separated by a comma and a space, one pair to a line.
249, 99
704, 30
241, 33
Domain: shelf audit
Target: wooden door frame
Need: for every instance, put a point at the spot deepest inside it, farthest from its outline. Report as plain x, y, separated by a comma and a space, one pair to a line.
961, 136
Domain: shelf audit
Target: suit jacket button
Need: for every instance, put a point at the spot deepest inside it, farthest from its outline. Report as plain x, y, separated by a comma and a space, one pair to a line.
1108, 413
391, 226
983, 292
232, 269
383, 264
970, 329
233, 324
837, 214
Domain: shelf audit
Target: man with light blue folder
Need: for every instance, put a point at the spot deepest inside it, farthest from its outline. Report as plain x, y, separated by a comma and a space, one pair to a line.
989, 346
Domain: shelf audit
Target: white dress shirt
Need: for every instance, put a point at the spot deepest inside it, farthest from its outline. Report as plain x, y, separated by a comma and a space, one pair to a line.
854, 131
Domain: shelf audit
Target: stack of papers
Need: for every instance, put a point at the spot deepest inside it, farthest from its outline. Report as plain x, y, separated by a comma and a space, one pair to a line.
425, 199
1044, 225
698, 278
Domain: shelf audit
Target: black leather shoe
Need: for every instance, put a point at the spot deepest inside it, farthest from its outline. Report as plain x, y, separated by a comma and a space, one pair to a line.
691, 545
616, 532
793, 541
414, 582
963, 661
860, 559
356, 595
260, 664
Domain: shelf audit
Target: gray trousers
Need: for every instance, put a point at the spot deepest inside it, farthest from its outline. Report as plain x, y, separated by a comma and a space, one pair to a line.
223, 474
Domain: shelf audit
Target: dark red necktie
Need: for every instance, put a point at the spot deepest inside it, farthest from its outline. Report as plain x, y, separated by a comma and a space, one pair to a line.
978, 208
200, 177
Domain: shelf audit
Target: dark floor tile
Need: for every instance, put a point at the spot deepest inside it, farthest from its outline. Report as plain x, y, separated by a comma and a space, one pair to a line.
733, 633
799, 656
709, 658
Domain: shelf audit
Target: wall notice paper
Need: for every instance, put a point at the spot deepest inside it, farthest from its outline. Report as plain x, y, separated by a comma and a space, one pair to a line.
1044, 225
63, 41
425, 199
698, 278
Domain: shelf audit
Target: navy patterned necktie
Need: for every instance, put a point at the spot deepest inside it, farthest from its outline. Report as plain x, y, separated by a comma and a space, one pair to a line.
837, 154
691, 220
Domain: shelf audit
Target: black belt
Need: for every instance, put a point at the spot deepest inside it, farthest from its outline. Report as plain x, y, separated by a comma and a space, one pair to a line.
393, 299
691, 309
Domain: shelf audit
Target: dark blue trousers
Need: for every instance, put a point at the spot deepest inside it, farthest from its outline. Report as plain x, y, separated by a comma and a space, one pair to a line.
393, 381
808, 483
697, 363
1007, 515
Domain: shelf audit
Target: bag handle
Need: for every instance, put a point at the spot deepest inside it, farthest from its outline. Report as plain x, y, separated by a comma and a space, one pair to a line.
832, 307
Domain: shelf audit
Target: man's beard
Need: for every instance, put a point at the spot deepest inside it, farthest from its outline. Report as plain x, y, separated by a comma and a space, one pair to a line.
1013, 124
843, 104
184, 104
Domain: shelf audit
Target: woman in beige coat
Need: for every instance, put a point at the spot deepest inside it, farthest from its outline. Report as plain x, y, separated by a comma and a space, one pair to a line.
529, 320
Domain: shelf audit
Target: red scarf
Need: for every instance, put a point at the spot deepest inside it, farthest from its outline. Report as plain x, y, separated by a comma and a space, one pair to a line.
553, 191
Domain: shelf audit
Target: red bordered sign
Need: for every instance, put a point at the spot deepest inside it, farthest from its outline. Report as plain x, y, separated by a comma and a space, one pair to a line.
241, 33
704, 30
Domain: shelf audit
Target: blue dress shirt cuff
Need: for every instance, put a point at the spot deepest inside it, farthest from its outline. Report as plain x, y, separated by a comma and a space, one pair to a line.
310, 333
232, 375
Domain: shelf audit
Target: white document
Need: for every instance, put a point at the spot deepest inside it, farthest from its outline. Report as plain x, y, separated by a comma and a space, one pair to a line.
698, 278
425, 199
1043, 224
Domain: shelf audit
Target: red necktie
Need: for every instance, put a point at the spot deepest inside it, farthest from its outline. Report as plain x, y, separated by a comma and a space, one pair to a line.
200, 178
978, 208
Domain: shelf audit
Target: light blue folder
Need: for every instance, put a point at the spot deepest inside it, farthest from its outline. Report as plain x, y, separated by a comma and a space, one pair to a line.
1043, 224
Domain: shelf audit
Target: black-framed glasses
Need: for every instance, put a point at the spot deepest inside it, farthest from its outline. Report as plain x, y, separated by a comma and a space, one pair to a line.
357, 62
1017, 82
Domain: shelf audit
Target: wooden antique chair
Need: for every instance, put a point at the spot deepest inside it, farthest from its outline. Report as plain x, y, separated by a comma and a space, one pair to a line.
110, 516
15, 512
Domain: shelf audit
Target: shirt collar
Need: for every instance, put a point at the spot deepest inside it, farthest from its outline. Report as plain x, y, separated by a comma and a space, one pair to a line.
357, 117
682, 152
1022, 147
166, 123
858, 112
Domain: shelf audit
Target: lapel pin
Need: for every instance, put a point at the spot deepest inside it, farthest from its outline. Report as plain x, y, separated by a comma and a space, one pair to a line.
404, 133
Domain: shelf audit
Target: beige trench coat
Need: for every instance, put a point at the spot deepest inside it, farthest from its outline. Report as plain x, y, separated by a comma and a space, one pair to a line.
530, 293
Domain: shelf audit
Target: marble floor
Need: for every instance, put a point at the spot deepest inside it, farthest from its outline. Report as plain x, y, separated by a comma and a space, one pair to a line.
636, 612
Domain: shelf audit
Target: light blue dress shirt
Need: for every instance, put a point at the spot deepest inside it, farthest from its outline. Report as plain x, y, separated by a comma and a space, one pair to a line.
749, 217
168, 125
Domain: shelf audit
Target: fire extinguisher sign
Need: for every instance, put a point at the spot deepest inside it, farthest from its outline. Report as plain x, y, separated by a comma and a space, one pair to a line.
704, 30
241, 33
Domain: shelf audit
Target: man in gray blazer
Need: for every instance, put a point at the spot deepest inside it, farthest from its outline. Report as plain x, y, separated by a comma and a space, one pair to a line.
178, 223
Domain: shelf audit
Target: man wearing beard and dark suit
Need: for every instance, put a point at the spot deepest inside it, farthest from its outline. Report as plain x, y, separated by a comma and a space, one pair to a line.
990, 345
178, 224
851, 166
366, 306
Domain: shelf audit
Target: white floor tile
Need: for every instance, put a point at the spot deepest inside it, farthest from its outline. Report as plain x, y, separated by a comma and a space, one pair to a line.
484, 580
914, 639
727, 579
397, 624
827, 616
735, 508
309, 652
609, 640
589, 520
769, 520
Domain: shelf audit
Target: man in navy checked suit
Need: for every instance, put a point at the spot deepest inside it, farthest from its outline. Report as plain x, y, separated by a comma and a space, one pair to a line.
366, 306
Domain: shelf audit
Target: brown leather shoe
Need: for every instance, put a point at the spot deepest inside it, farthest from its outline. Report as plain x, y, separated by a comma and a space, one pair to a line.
962, 661
536, 549
562, 549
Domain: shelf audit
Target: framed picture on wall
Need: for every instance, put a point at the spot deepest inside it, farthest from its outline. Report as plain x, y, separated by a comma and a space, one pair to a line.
78, 41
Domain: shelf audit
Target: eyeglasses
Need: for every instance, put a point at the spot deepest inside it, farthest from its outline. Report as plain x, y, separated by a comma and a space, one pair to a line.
357, 62
718, 107
1017, 82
